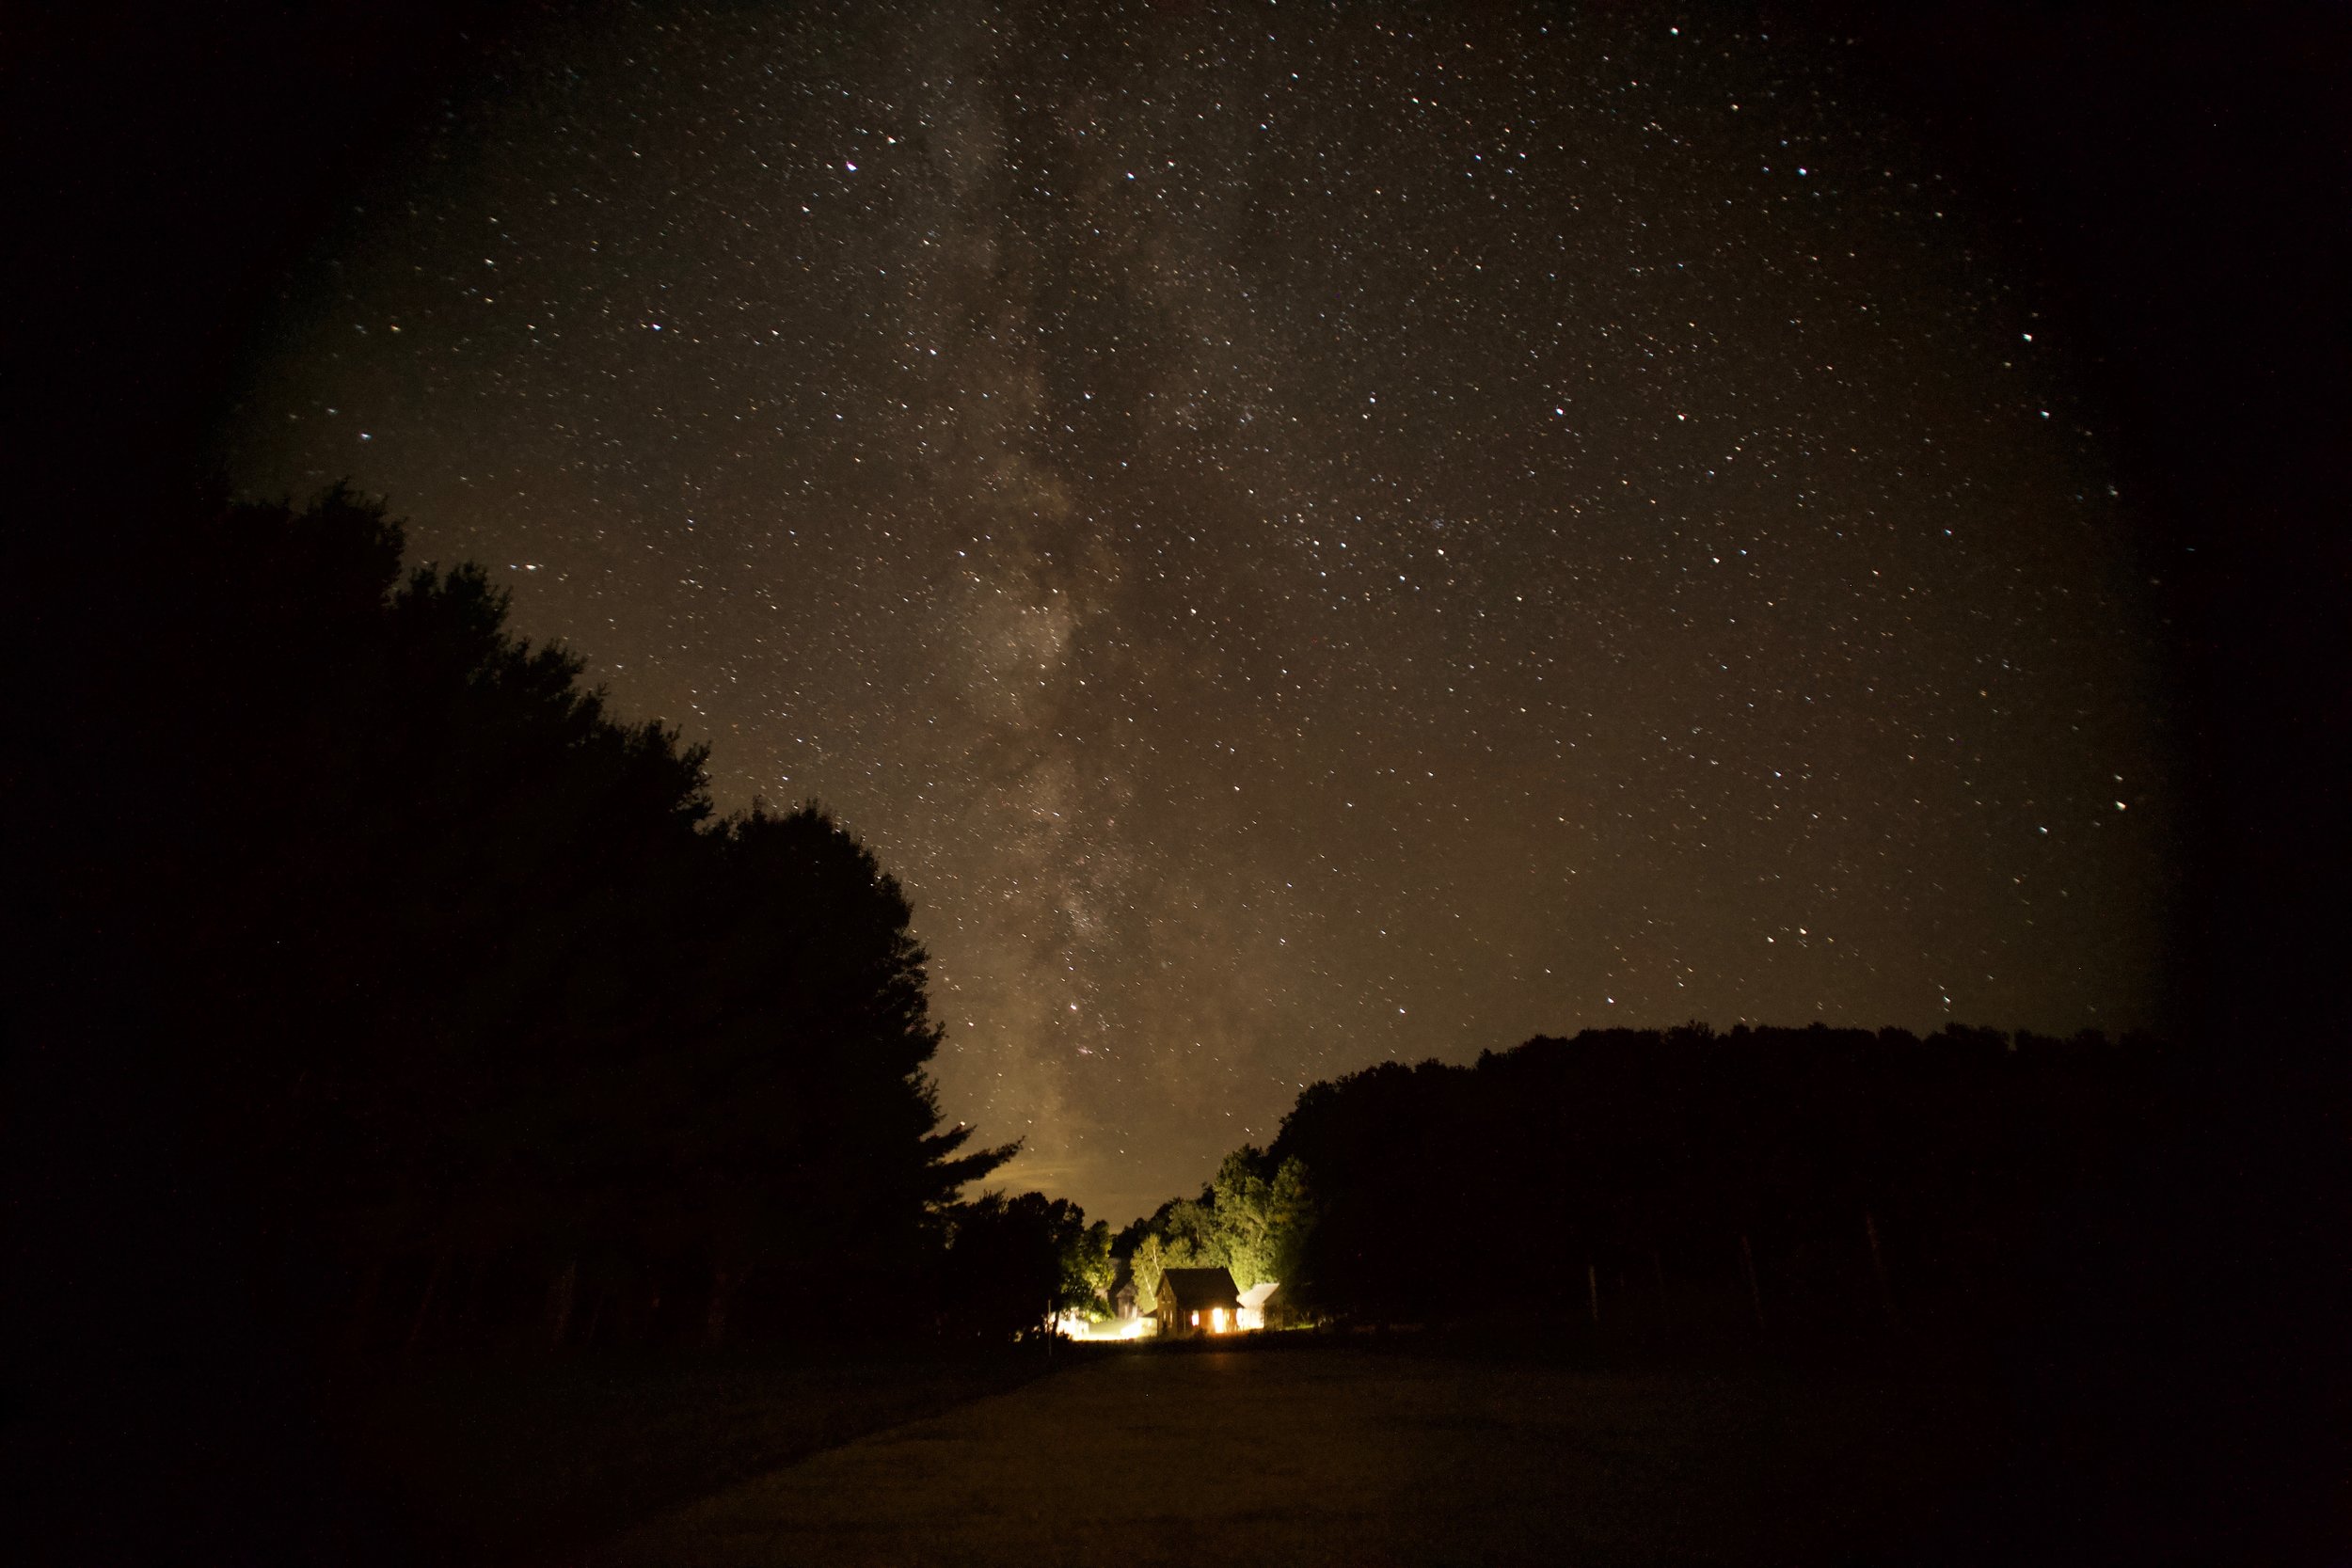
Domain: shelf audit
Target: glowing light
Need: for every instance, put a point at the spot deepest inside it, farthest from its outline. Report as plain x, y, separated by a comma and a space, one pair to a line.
1250, 1318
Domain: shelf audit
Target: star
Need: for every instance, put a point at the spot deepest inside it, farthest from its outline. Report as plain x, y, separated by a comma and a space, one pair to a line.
998, 501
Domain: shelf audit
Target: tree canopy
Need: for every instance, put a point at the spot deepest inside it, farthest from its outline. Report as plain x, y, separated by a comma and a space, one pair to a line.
1814, 1176
469, 970
1251, 1220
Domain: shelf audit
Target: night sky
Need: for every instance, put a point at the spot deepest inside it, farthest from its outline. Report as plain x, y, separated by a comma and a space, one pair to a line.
1301, 536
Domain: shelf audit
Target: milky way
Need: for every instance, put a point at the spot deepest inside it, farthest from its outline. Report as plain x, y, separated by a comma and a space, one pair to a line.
1302, 536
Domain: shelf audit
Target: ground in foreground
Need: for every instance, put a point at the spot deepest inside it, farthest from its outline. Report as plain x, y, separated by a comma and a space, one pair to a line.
490, 1463
1333, 1454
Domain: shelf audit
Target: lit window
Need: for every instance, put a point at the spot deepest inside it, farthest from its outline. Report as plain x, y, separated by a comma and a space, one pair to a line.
1216, 1320
1196, 1319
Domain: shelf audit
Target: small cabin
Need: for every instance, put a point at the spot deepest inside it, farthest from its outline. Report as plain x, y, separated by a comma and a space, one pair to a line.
1198, 1301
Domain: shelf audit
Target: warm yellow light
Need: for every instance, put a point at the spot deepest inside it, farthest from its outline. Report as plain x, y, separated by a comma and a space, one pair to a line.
1216, 1320
1196, 1319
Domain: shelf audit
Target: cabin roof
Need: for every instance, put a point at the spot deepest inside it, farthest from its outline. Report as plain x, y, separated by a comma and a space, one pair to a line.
1194, 1290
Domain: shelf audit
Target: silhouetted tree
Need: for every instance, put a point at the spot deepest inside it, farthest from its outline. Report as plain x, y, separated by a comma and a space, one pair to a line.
493, 1022
1795, 1177
1014, 1265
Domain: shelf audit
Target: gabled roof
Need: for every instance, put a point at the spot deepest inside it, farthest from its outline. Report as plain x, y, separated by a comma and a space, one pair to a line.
1195, 1289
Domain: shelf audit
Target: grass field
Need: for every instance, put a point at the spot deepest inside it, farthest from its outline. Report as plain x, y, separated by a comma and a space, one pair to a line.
1329, 1454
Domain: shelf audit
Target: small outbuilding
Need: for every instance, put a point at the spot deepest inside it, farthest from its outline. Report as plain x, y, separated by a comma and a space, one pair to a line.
1198, 1301
1254, 1314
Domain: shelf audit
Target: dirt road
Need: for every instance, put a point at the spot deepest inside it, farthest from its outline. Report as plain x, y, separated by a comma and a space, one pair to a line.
1328, 1454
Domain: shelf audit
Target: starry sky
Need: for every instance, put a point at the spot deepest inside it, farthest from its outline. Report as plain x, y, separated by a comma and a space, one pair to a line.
1303, 535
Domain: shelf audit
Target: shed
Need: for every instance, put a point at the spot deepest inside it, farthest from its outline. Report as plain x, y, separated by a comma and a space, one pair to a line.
1198, 1301
1253, 1303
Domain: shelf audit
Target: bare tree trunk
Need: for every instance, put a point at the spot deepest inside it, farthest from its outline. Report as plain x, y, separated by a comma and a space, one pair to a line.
1878, 1266
424, 1304
1755, 1297
560, 1302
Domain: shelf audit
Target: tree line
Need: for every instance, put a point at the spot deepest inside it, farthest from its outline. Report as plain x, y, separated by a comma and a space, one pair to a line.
492, 1028
498, 1033
1754, 1180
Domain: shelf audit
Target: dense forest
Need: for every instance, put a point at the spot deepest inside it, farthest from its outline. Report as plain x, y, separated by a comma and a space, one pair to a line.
1762, 1180
496, 1032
